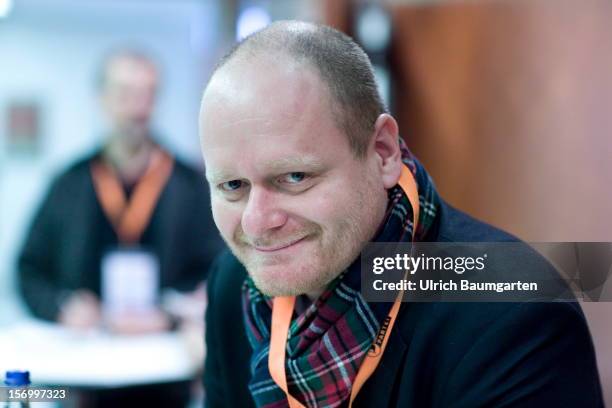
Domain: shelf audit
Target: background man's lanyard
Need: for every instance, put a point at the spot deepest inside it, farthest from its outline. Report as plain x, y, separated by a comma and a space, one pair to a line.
131, 218
282, 311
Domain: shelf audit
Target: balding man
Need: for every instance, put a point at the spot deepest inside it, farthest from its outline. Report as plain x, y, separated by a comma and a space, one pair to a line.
130, 201
305, 167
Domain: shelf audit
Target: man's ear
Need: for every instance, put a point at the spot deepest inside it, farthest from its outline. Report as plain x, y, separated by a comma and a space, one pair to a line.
387, 150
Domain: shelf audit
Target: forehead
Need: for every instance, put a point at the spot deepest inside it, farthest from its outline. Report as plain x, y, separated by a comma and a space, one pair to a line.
261, 87
267, 111
128, 69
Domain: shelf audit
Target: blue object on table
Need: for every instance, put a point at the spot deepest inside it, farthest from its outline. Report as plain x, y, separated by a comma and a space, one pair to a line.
17, 378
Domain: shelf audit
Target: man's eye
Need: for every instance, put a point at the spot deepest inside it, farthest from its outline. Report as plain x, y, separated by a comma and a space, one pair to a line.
232, 185
293, 177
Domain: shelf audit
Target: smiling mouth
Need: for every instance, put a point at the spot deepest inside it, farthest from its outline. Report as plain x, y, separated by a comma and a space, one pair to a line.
280, 246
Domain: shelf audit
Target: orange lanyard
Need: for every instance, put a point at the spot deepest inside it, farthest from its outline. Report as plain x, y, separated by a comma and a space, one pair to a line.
282, 311
131, 218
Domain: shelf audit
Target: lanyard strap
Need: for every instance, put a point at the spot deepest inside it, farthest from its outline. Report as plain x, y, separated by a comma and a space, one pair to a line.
282, 311
130, 218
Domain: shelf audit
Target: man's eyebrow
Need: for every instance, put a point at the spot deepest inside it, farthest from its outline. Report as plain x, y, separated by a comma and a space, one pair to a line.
272, 166
293, 163
213, 176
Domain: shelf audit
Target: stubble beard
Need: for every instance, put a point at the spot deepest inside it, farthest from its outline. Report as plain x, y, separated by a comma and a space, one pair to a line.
335, 250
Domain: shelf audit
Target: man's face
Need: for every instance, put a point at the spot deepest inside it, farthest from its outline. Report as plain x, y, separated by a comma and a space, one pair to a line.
128, 95
288, 195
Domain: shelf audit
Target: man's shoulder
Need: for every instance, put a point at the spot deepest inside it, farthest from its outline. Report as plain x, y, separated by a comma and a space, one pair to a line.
471, 319
456, 226
77, 173
477, 352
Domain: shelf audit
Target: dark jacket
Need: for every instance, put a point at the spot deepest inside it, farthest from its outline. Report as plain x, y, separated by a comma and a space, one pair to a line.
439, 354
70, 233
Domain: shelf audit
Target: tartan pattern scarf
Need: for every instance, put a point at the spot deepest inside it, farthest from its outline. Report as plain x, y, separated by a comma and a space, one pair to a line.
329, 340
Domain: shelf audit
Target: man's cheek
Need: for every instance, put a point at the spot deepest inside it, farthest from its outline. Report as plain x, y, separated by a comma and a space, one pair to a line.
227, 220
323, 207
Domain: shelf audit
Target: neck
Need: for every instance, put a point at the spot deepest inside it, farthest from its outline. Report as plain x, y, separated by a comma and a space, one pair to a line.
129, 155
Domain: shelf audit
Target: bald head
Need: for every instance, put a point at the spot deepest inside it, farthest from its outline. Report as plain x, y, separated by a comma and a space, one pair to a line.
127, 85
117, 60
341, 66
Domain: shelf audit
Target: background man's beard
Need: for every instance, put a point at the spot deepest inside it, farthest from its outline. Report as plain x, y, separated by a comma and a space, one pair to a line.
134, 134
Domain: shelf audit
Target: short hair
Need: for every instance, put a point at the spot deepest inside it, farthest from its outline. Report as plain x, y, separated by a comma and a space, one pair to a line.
341, 64
122, 53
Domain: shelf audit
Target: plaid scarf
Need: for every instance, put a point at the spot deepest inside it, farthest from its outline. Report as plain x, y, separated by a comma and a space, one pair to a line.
329, 340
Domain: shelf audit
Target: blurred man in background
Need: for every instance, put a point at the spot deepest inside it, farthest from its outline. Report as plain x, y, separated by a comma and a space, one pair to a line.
124, 237
121, 224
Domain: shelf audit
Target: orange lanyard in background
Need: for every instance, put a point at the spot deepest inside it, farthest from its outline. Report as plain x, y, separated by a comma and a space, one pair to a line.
130, 218
282, 311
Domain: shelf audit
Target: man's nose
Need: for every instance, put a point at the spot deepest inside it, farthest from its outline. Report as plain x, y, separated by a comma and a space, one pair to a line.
262, 213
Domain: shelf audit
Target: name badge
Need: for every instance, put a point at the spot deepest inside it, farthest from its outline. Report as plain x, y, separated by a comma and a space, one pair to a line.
130, 281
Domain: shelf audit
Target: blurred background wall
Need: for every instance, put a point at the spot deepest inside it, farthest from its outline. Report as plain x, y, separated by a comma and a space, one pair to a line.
507, 102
